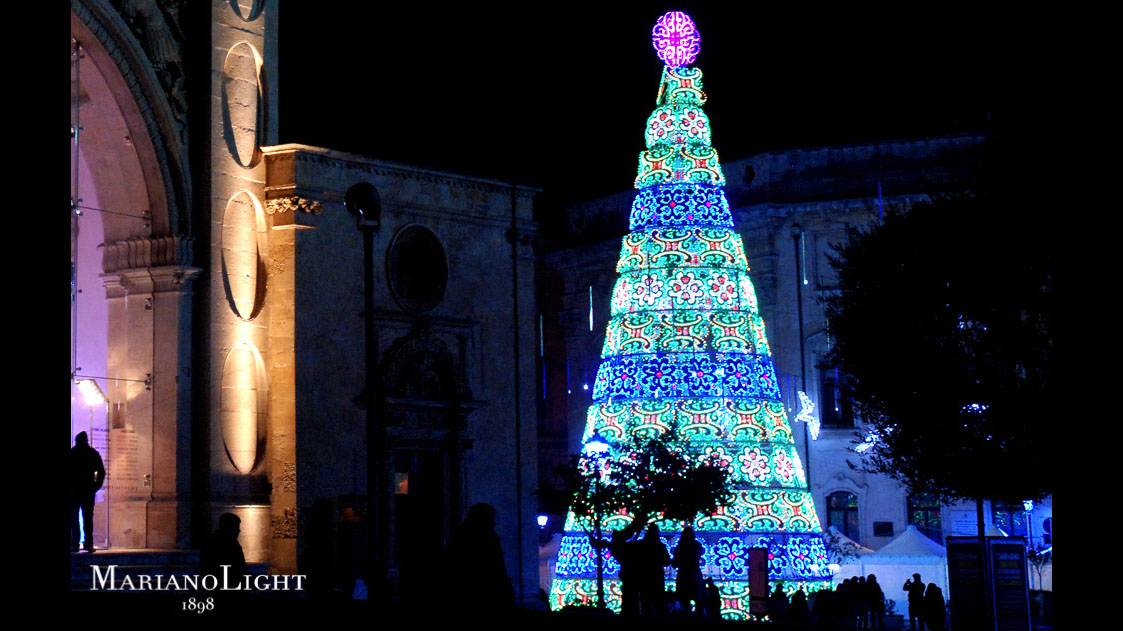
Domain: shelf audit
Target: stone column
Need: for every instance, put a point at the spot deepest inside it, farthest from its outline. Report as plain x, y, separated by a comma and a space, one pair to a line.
288, 217
239, 355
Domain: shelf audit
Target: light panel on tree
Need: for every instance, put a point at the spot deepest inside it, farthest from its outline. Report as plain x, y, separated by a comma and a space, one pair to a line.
686, 356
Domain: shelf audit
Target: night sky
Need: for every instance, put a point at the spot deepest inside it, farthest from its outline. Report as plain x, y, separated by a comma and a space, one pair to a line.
557, 95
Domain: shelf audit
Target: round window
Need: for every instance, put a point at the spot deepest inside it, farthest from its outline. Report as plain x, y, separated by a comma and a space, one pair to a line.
416, 269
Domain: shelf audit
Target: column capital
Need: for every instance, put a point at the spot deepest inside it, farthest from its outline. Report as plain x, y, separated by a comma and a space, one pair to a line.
144, 252
148, 280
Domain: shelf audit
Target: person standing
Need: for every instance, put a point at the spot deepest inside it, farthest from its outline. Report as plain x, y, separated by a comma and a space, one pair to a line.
87, 474
652, 558
934, 607
476, 568
626, 554
688, 579
876, 602
778, 604
915, 589
223, 549
861, 602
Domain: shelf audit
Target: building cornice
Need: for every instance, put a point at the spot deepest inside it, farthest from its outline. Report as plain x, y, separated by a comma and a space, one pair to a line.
319, 155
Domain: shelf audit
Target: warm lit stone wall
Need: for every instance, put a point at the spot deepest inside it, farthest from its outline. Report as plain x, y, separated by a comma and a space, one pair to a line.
469, 336
241, 414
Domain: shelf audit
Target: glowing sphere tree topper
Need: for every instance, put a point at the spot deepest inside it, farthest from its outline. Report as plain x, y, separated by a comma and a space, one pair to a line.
675, 39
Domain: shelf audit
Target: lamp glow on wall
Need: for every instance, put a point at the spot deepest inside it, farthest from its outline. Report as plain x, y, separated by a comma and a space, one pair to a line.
93, 396
91, 393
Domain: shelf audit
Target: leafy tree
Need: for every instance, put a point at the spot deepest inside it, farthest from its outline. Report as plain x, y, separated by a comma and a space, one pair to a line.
649, 480
942, 325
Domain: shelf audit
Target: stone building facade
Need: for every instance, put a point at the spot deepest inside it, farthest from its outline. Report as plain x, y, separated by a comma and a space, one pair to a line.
218, 307
790, 207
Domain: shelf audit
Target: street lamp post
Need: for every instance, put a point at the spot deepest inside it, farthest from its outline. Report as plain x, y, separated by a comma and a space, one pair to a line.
797, 239
363, 202
596, 448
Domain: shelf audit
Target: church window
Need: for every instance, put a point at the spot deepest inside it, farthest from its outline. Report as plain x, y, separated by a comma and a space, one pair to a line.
842, 513
924, 513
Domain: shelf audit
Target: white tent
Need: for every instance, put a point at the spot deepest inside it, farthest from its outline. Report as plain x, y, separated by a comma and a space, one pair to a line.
897, 561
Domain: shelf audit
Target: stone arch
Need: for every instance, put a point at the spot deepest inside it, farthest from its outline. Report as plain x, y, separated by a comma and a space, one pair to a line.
129, 95
131, 165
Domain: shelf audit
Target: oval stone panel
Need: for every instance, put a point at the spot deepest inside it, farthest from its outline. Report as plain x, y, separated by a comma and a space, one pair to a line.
243, 406
417, 269
243, 265
241, 103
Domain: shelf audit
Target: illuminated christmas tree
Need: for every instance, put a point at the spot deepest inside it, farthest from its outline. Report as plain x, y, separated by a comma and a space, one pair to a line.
686, 353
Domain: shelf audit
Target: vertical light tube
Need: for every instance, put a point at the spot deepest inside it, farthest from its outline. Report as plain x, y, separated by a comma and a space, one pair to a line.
590, 307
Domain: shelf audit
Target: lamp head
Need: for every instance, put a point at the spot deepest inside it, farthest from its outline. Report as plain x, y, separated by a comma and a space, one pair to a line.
363, 202
595, 446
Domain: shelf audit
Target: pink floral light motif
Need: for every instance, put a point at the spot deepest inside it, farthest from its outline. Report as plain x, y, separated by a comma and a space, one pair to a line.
675, 39
721, 459
755, 464
649, 289
686, 288
784, 466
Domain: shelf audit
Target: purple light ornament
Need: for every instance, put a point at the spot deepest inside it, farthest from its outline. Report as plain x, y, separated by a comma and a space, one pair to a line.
675, 39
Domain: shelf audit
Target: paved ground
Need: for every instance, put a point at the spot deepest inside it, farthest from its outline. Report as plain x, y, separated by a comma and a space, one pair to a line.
135, 610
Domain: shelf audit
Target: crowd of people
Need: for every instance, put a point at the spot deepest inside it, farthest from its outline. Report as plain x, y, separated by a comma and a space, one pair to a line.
857, 602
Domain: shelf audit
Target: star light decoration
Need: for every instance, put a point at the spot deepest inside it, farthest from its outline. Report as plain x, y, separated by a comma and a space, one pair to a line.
675, 39
806, 414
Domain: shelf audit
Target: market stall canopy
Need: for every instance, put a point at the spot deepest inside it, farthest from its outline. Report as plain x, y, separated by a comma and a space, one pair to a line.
912, 543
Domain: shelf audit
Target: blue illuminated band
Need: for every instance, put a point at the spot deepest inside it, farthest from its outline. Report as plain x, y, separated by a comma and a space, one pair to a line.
675, 205
725, 556
641, 376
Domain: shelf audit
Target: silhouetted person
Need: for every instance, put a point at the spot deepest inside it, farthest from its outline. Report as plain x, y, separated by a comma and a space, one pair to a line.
712, 598
861, 602
478, 578
876, 602
224, 549
652, 558
915, 589
318, 562
349, 550
934, 607
844, 602
797, 610
824, 607
87, 473
688, 579
627, 555
778, 604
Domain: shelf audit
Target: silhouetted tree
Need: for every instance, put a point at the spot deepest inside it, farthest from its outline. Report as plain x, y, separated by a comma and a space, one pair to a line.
650, 479
941, 323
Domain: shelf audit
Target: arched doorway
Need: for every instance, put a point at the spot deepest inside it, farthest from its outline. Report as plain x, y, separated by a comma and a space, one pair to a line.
129, 310
426, 411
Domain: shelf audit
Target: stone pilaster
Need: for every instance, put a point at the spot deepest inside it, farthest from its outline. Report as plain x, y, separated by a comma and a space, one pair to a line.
239, 312
148, 291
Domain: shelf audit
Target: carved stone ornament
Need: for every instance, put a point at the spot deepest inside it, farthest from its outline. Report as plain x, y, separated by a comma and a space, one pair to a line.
293, 204
144, 252
284, 525
288, 476
156, 25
